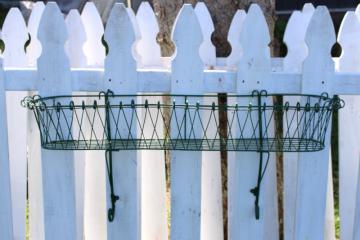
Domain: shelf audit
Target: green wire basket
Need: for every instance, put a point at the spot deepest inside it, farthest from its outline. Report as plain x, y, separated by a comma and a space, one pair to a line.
188, 122
110, 122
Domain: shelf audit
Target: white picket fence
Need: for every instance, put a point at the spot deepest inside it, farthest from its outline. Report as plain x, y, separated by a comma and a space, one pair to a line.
68, 192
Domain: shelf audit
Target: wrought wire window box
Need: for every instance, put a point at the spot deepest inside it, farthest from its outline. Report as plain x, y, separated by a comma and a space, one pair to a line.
188, 122
106, 121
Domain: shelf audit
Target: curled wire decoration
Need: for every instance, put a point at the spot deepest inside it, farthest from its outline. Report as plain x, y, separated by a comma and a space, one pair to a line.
70, 123
29, 101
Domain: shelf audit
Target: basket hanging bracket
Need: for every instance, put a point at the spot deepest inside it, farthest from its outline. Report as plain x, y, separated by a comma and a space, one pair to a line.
108, 155
113, 197
256, 190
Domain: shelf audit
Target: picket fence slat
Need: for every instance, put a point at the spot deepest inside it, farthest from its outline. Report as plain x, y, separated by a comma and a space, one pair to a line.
294, 38
147, 47
211, 184
14, 35
152, 163
120, 73
329, 228
6, 216
54, 76
33, 51
69, 192
74, 51
207, 49
349, 35
253, 70
93, 47
36, 209
95, 219
310, 193
232, 60
185, 171
77, 38
356, 229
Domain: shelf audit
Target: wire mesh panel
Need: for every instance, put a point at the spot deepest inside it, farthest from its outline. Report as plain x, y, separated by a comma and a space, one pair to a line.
62, 121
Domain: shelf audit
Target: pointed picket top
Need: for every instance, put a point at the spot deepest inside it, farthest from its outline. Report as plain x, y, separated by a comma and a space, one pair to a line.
53, 59
207, 49
295, 20
256, 29
320, 35
136, 28
35, 16
52, 17
187, 66
14, 35
33, 51
294, 38
186, 24
134, 22
254, 65
147, 46
120, 65
94, 50
308, 10
318, 65
357, 10
349, 38
77, 38
236, 25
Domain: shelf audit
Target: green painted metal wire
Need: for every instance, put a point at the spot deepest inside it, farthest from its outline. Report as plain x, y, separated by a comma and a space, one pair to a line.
81, 122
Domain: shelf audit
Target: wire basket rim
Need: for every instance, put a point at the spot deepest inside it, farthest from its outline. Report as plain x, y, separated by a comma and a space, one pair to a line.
48, 106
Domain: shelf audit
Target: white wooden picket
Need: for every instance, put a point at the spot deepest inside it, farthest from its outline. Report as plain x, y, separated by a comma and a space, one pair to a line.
33, 51
356, 229
294, 38
14, 35
95, 173
349, 35
253, 68
77, 59
329, 228
54, 78
232, 60
185, 172
311, 193
6, 216
211, 193
93, 48
207, 49
152, 163
120, 77
69, 192
147, 46
36, 209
